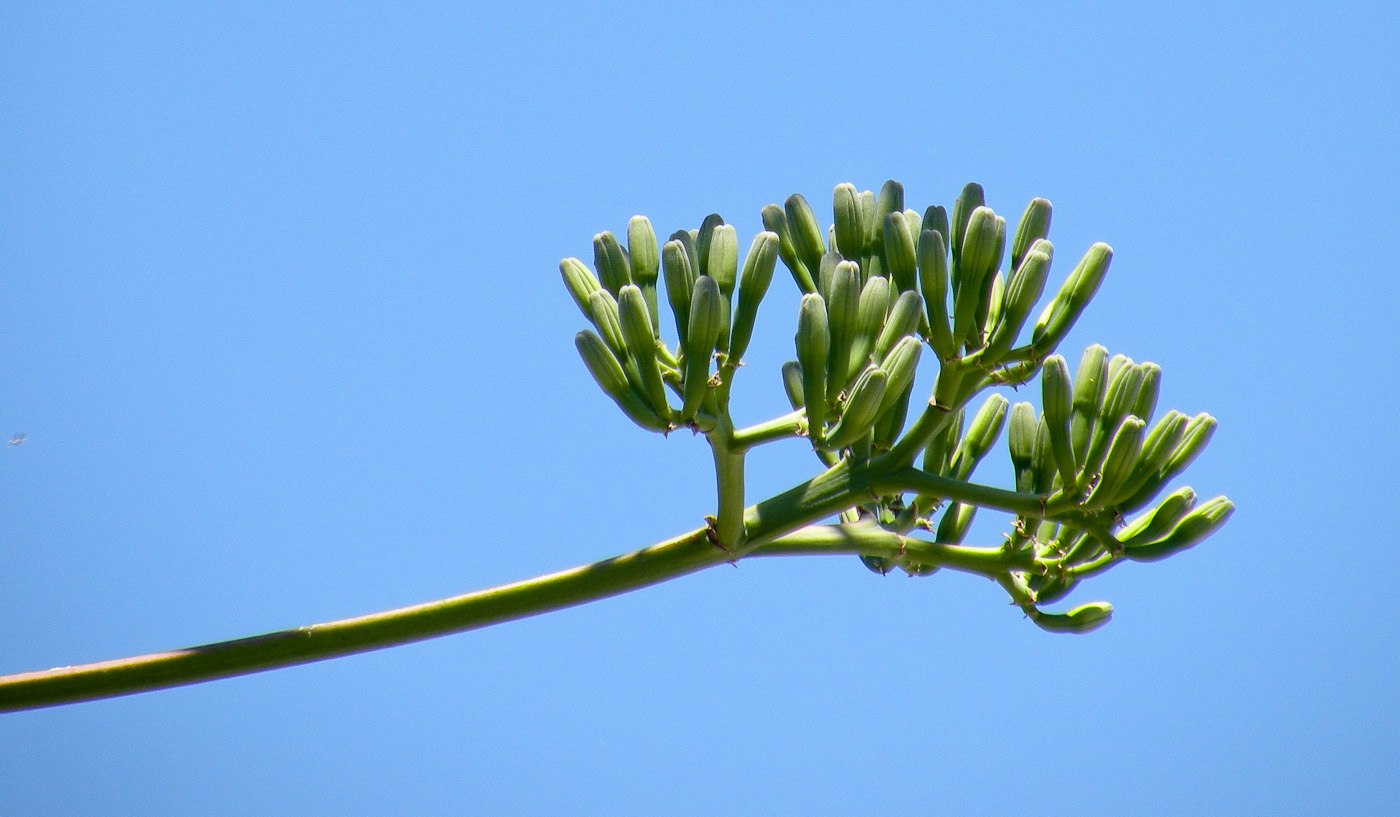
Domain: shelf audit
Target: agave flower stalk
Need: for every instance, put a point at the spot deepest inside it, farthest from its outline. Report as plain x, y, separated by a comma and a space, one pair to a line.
877, 288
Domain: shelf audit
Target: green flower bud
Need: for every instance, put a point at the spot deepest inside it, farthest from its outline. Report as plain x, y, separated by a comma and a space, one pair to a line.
1035, 224
972, 272
901, 364
1158, 522
933, 283
1193, 441
687, 240
1057, 397
642, 251
989, 302
602, 310
1022, 293
842, 311
850, 231
1021, 432
891, 421
870, 319
902, 322
645, 260
870, 225
1080, 620
861, 409
1051, 589
602, 363
1043, 465
989, 312
1078, 546
723, 256
706, 321
813, 347
1156, 450
1123, 388
936, 219
914, 223
1146, 402
901, 257
826, 274
1192, 529
890, 200
753, 285
969, 200
792, 384
580, 282
775, 221
806, 235
637, 331
680, 282
1090, 386
703, 237
953, 526
614, 268
981, 435
608, 373
1122, 456
1076, 292
1115, 365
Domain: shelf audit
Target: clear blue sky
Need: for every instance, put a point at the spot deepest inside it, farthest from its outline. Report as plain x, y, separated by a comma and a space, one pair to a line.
281, 317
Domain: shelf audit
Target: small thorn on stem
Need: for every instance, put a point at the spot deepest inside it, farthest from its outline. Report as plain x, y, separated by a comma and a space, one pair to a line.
712, 534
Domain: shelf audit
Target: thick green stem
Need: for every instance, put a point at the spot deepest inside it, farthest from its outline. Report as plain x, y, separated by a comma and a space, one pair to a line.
685, 554
652, 565
729, 485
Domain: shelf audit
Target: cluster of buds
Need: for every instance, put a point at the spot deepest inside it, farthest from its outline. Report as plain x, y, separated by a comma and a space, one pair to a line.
626, 354
878, 286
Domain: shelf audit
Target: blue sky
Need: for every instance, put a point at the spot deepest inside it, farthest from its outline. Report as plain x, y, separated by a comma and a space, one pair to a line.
283, 324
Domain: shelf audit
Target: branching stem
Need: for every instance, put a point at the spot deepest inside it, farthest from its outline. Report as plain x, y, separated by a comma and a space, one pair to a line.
775, 527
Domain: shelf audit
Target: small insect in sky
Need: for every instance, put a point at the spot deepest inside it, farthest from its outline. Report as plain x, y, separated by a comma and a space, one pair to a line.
18, 438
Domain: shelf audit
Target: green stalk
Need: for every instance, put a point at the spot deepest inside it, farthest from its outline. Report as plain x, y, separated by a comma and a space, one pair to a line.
872, 540
688, 553
658, 563
729, 485
913, 479
778, 428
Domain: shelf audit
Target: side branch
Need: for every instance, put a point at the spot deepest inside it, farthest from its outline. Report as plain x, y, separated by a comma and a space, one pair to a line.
872, 540
913, 479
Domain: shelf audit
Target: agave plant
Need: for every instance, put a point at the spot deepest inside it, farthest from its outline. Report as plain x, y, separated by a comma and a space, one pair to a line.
884, 289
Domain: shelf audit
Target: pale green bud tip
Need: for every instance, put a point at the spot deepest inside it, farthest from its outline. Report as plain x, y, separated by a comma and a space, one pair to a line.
580, 281
614, 270
601, 363
1021, 433
1034, 226
723, 262
641, 246
850, 234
